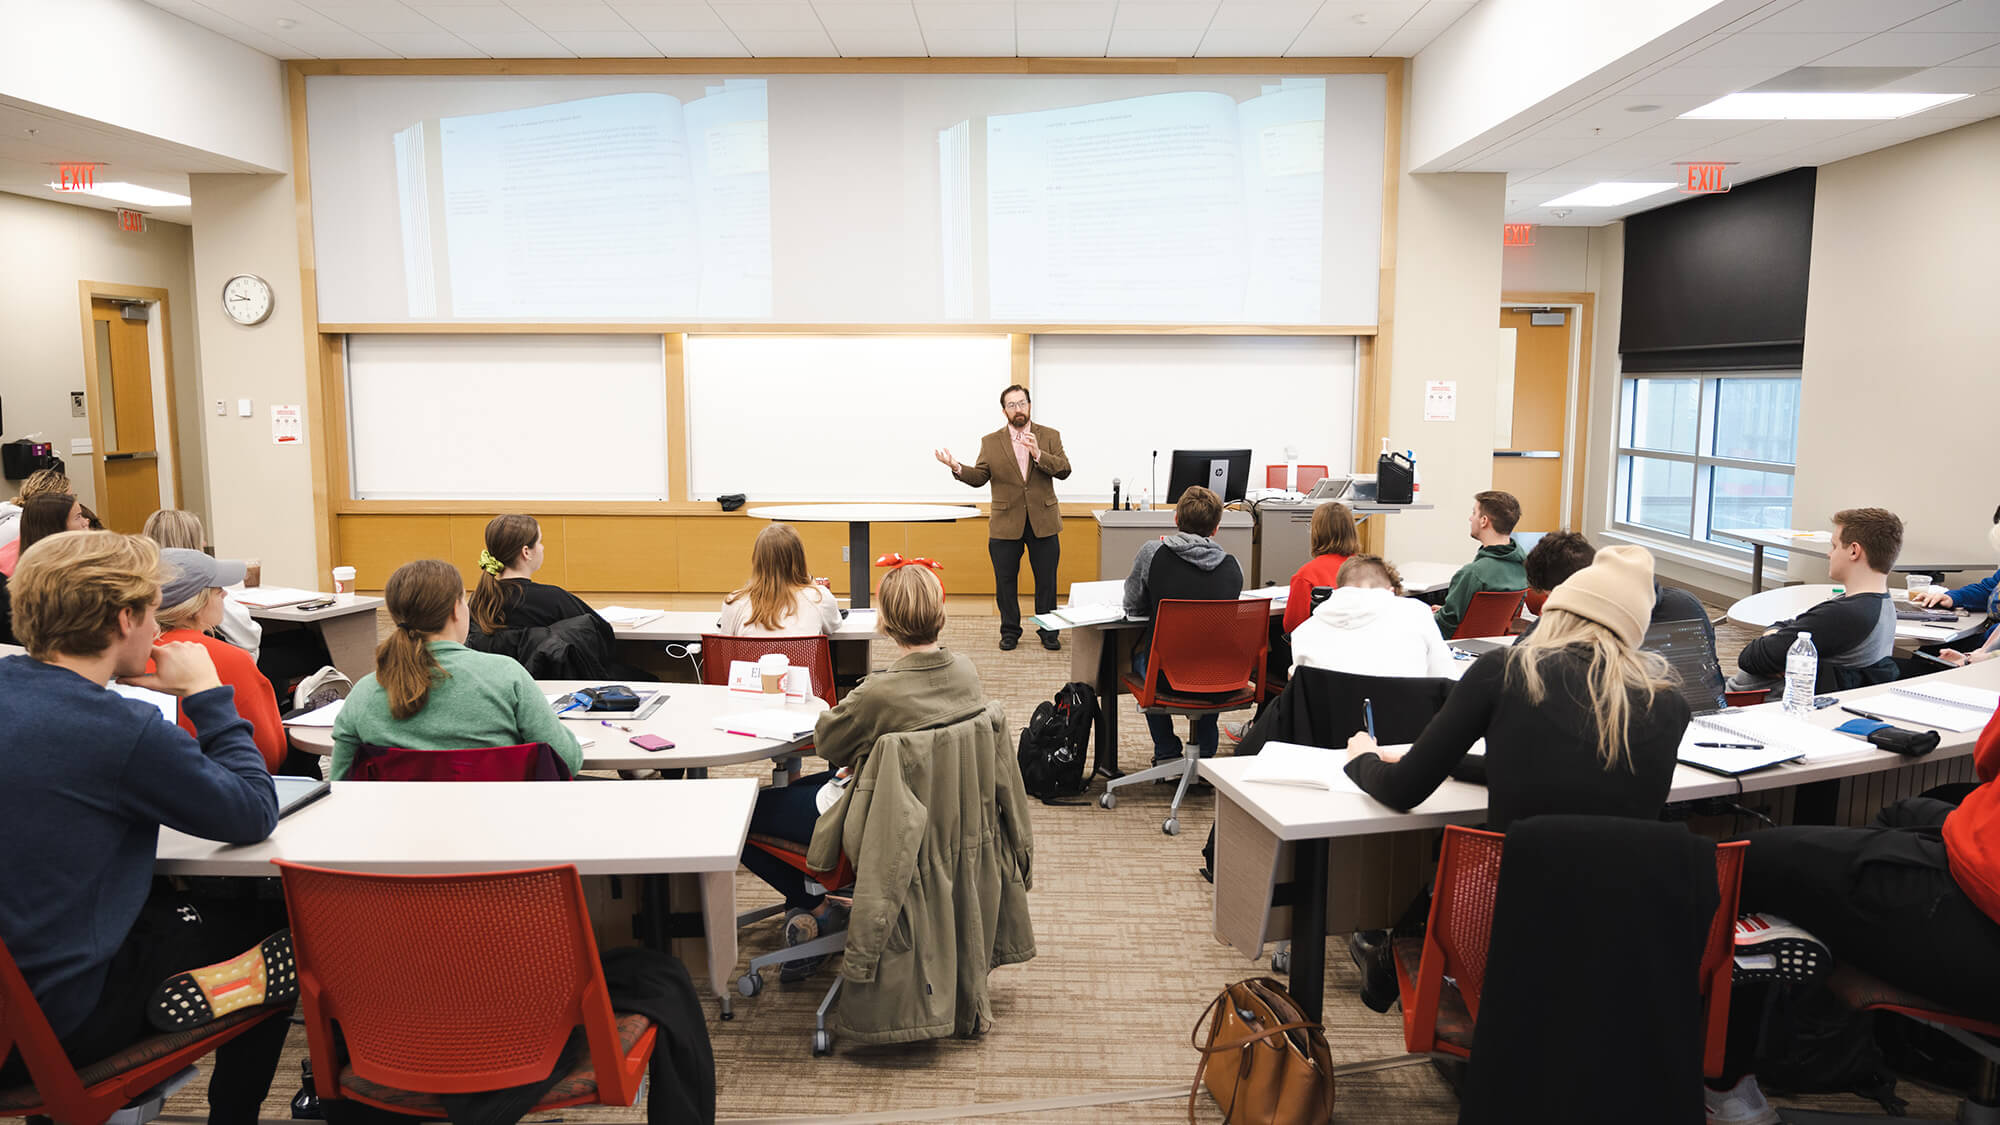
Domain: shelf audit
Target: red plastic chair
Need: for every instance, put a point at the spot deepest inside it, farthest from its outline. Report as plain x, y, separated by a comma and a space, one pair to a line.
1309, 475
1211, 650
1491, 614
1749, 698
1862, 992
531, 761
1534, 600
140, 1075
1440, 1021
814, 652
456, 984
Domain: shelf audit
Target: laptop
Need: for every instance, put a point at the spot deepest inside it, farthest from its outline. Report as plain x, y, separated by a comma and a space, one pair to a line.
1686, 646
295, 793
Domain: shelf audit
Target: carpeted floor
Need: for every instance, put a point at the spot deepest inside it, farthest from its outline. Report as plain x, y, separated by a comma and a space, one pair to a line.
1127, 962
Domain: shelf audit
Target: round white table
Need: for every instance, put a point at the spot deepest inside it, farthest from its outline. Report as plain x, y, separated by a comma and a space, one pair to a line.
857, 517
1780, 603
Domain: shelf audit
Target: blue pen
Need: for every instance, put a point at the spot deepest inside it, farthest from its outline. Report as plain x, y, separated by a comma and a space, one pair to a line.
1368, 715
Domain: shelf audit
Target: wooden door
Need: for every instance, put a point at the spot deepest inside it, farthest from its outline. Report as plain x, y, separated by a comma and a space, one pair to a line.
1530, 460
123, 432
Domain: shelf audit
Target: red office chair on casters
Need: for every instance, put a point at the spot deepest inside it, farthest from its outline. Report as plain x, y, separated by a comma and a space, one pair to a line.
1309, 475
451, 984
134, 1082
1491, 614
530, 761
839, 884
1862, 992
1207, 657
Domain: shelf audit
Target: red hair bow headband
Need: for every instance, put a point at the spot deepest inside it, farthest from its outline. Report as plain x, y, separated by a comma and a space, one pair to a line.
895, 561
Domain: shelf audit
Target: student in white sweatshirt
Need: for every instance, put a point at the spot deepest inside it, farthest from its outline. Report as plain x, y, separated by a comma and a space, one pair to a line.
1366, 627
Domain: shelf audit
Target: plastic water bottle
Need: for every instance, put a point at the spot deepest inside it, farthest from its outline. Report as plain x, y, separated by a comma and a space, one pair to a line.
1801, 676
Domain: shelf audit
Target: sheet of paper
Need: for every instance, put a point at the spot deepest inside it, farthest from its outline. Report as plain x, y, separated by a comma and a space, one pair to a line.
169, 706
1088, 614
319, 716
627, 615
1312, 767
272, 597
782, 726
1272, 593
1110, 591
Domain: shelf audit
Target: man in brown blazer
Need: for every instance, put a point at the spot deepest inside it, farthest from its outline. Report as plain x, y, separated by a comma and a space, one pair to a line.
1023, 461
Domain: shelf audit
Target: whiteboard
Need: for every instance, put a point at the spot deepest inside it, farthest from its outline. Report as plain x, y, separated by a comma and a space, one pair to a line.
448, 417
839, 417
1116, 399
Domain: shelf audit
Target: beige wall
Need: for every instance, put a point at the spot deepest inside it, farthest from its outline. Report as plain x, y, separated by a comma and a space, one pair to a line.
48, 248
262, 494
1902, 363
1558, 262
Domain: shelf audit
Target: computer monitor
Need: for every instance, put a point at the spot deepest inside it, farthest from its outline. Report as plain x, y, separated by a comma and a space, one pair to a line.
1224, 471
1685, 644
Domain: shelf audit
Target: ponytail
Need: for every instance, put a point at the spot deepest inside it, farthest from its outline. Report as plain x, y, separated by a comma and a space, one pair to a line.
506, 538
421, 597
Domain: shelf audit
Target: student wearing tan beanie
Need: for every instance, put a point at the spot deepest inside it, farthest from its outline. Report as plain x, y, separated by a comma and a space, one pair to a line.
1576, 718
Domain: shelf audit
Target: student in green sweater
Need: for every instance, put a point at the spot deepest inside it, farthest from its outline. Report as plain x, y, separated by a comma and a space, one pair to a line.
1500, 564
430, 692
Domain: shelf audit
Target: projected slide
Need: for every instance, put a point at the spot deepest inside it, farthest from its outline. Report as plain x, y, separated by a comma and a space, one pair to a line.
624, 206
1184, 207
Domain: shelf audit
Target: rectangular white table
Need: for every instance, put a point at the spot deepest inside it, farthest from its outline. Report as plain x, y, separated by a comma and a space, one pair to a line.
1259, 827
347, 627
683, 827
848, 644
1820, 543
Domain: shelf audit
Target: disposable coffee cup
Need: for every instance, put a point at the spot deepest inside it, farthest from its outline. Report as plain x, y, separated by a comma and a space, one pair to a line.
1917, 582
253, 573
773, 666
343, 579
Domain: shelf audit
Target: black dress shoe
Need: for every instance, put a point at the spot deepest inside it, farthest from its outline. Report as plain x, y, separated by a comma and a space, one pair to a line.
1007, 643
1371, 952
1052, 641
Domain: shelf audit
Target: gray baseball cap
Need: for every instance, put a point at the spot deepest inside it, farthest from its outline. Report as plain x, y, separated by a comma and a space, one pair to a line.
191, 572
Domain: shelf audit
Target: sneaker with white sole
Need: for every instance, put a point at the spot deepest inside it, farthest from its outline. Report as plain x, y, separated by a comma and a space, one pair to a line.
1770, 948
1742, 1104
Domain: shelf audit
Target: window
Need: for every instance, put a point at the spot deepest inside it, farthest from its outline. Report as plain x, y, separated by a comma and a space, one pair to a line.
1702, 452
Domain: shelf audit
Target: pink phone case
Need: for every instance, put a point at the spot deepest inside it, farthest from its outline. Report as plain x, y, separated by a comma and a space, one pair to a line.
652, 742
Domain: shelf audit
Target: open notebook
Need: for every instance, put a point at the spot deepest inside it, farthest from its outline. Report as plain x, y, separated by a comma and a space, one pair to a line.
1954, 707
1780, 737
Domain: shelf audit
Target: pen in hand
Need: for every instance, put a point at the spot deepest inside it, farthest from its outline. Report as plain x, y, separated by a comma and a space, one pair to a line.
1368, 716
614, 726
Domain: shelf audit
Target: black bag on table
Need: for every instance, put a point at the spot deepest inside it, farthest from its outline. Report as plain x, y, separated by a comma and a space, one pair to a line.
1055, 742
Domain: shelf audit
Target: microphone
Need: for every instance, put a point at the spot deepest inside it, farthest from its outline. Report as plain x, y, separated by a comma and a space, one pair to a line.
1114, 494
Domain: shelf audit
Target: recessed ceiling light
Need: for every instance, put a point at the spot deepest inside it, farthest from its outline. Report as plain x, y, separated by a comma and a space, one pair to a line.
1647, 108
134, 194
1751, 105
1611, 193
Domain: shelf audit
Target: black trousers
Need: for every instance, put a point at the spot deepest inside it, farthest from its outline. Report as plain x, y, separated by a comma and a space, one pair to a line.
1043, 552
175, 932
1883, 900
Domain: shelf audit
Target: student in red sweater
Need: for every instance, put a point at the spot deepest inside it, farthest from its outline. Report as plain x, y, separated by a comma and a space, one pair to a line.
1335, 538
191, 606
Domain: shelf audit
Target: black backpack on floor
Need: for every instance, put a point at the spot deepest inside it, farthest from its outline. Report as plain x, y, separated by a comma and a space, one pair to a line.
1055, 743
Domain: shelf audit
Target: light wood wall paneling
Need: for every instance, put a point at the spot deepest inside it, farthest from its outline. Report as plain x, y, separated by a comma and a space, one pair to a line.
715, 553
376, 545
622, 553
468, 538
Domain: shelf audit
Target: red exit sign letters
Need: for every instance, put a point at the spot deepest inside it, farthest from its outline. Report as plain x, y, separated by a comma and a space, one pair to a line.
76, 176
1705, 179
1517, 234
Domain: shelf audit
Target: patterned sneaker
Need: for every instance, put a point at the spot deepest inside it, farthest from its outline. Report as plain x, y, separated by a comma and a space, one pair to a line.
264, 975
1742, 1104
1770, 948
804, 926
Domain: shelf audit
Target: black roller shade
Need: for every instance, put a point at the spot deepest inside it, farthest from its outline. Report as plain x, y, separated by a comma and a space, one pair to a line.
1719, 282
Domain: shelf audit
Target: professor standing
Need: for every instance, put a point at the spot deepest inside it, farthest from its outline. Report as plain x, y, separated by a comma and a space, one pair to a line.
1023, 461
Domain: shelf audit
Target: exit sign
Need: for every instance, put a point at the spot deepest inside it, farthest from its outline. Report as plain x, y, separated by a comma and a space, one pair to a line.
1705, 179
132, 221
1517, 234
74, 176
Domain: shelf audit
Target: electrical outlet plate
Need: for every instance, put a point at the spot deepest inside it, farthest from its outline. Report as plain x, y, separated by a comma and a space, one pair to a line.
76, 404
843, 555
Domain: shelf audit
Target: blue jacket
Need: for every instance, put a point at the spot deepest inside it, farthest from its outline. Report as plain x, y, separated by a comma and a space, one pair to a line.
1984, 594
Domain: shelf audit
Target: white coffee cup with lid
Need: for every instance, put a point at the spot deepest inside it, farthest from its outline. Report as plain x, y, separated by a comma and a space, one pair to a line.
343, 579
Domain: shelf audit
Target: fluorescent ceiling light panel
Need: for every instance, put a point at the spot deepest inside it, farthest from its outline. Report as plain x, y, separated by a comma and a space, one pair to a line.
1752, 105
123, 192
1611, 193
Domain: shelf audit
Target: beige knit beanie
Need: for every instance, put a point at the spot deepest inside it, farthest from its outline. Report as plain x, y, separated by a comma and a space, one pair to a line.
1615, 590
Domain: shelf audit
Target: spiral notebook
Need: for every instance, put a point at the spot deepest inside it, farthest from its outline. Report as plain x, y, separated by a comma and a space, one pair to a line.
1953, 707
1779, 738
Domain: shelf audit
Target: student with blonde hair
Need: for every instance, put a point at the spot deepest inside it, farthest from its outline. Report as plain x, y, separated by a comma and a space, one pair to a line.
191, 602
782, 598
430, 692
172, 527
1335, 539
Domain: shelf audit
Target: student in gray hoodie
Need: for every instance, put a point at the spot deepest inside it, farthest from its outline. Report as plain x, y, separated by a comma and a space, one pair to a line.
1188, 564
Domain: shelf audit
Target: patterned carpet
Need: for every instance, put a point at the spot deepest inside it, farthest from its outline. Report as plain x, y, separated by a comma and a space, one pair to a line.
1127, 963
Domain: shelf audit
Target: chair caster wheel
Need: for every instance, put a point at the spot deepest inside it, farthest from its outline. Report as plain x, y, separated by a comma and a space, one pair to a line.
1281, 961
822, 1044
1172, 827
750, 984
1108, 800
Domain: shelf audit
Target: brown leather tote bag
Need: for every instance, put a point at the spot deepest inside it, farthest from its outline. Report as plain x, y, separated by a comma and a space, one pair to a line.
1264, 1063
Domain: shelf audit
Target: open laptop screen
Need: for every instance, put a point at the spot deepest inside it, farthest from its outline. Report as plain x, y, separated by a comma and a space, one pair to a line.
1685, 644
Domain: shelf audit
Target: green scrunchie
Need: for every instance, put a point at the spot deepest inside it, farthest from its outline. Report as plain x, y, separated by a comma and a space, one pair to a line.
489, 564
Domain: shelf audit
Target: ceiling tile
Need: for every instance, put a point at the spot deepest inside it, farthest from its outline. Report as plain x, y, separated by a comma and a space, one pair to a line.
1437, 15
1950, 80
787, 44
1966, 15
427, 45
1709, 81
1976, 108
868, 17
962, 43
1408, 41
1335, 42
1900, 49
373, 18
482, 18
1781, 51
1989, 57
696, 44
785, 15
1234, 43
1032, 42
1288, 19
879, 44
1091, 16
516, 44
1847, 15
572, 17
1153, 43
607, 44
336, 44
260, 15
1701, 131
966, 17
670, 17
1165, 17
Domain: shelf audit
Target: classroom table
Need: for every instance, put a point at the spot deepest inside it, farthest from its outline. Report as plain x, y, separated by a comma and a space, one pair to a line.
1426, 577
857, 517
1819, 543
848, 645
687, 718
1782, 603
347, 626
1257, 824
419, 827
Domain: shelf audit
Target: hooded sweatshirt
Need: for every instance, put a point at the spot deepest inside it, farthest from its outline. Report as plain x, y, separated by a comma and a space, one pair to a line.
1179, 566
1369, 631
1502, 566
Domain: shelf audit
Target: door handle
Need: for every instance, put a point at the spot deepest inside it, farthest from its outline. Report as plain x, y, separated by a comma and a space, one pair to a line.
1534, 453
136, 455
